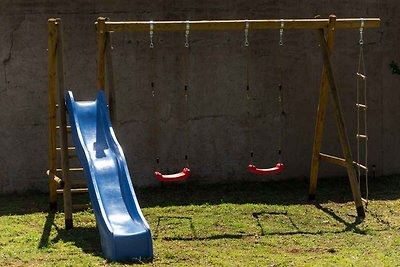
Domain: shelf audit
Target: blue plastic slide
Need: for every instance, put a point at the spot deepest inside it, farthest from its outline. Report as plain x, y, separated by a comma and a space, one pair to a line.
124, 232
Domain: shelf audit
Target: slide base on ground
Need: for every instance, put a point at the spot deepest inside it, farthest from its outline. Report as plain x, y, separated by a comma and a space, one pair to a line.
124, 231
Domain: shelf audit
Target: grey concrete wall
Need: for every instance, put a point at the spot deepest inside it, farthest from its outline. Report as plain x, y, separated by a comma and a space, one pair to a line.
217, 127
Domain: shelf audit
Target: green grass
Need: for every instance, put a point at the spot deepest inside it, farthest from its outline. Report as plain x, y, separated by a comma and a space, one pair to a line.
248, 224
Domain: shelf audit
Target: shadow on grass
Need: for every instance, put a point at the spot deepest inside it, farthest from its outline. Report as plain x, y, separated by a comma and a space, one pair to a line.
349, 227
286, 192
86, 238
32, 202
212, 237
271, 192
160, 218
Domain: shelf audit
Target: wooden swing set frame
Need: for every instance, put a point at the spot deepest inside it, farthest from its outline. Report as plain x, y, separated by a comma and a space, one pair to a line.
60, 176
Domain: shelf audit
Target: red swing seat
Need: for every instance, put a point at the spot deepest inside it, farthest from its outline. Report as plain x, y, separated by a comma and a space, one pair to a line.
277, 169
185, 173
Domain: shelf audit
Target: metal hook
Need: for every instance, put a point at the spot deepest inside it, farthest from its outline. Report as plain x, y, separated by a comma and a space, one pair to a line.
187, 34
246, 33
151, 33
361, 41
281, 32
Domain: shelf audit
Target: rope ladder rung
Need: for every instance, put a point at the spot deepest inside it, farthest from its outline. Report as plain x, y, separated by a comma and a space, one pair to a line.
363, 106
362, 136
359, 165
362, 76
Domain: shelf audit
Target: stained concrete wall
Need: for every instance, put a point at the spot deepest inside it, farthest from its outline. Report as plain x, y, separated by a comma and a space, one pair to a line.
217, 114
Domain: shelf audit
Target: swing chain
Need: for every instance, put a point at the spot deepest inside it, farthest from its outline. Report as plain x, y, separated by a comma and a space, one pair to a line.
281, 32
280, 93
361, 41
151, 34
246, 33
187, 34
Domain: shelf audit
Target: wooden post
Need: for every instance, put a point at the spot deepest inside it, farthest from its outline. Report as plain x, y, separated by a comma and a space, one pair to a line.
52, 73
110, 78
63, 129
355, 188
101, 44
319, 125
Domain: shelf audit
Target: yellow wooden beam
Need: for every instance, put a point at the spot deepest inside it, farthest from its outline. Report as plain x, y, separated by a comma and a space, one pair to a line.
205, 25
339, 161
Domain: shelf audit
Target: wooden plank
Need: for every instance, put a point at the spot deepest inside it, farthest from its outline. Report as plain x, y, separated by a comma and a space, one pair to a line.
204, 25
72, 191
63, 129
69, 130
355, 188
101, 43
52, 73
110, 89
71, 170
321, 111
339, 161
333, 159
70, 149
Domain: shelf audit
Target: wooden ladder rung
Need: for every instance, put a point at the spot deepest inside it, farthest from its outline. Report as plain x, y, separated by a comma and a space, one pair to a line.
362, 76
71, 148
361, 106
333, 159
74, 190
68, 128
339, 161
362, 136
80, 207
71, 170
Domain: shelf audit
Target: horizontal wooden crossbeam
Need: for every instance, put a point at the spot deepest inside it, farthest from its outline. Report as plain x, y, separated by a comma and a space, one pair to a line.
339, 161
74, 190
205, 25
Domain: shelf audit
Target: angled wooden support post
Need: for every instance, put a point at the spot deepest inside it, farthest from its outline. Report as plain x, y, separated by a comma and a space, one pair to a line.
52, 75
319, 126
329, 77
